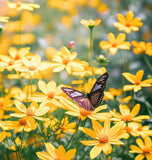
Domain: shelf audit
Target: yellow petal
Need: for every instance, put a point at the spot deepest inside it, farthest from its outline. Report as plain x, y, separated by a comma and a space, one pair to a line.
140, 143
95, 151
97, 127
130, 77
50, 149
113, 50
111, 37
20, 106
120, 38
44, 156
51, 86
90, 142
43, 87
107, 148
88, 131
124, 110
139, 74
60, 151
36, 60
121, 18
146, 83
70, 154
129, 15
128, 87
135, 110
147, 141
137, 88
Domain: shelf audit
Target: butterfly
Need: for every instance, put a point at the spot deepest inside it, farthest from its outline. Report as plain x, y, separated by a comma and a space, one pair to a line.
93, 99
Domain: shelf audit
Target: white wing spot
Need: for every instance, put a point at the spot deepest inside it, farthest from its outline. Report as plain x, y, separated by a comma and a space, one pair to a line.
75, 94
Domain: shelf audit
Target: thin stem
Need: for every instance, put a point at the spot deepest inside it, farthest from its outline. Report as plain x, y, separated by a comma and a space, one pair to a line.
74, 133
31, 84
147, 62
91, 50
127, 147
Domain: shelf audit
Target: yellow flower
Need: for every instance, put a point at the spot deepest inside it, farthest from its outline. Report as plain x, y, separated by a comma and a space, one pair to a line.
144, 150
139, 48
18, 142
107, 95
65, 60
125, 100
65, 127
136, 80
136, 129
24, 39
128, 116
22, 6
4, 19
54, 154
9, 63
115, 43
90, 23
77, 111
33, 66
21, 94
33, 110
4, 134
104, 137
25, 123
115, 92
50, 94
129, 23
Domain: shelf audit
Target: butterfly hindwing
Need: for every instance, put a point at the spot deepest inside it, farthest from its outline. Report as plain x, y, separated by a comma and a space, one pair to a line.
97, 92
78, 97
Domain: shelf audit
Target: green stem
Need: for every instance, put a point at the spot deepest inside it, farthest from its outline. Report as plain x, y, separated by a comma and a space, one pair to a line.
147, 62
91, 50
74, 133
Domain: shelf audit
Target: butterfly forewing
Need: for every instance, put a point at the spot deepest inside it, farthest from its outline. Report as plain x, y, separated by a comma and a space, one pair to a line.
97, 92
78, 97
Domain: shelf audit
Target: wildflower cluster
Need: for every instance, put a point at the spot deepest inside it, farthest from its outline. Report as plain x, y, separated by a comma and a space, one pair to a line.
65, 95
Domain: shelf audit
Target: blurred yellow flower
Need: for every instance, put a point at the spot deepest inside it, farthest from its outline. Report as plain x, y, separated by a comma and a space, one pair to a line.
50, 94
136, 129
128, 116
17, 142
56, 154
144, 150
25, 123
115, 43
104, 137
24, 39
90, 23
34, 110
22, 6
65, 60
77, 111
33, 66
4, 19
129, 23
125, 100
4, 135
136, 80
65, 127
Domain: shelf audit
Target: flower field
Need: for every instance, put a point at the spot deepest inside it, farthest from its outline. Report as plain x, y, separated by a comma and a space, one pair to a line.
75, 80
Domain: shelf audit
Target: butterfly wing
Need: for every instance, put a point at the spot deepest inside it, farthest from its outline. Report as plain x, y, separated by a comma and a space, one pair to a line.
80, 98
97, 92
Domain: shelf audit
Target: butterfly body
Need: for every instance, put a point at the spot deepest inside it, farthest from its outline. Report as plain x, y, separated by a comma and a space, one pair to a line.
93, 99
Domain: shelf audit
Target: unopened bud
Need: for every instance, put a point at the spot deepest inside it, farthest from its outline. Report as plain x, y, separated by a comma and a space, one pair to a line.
71, 44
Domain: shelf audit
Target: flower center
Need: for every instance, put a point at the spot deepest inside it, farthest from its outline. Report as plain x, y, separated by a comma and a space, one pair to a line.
85, 112
127, 118
128, 24
32, 68
11, 62
22, 121
139, 129
66, 61
128, 129
51, 94
1, 104
29, 112
146, 150
103, 138
18, 4
17, 57
137, 81
114, 45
